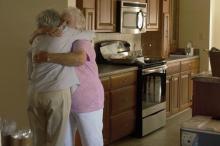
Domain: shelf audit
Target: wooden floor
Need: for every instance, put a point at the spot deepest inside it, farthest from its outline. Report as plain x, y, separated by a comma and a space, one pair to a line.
167, 136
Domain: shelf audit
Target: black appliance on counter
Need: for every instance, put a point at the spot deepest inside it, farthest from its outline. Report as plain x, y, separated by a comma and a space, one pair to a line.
151, 88
122, 47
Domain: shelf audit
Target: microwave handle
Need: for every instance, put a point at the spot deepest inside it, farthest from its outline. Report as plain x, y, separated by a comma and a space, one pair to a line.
142, 17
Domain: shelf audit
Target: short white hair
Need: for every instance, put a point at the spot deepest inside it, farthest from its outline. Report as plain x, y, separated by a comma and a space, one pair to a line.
80, 21
48, 18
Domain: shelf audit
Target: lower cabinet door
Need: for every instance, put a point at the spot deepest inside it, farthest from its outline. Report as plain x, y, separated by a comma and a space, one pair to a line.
175, 93
122, 125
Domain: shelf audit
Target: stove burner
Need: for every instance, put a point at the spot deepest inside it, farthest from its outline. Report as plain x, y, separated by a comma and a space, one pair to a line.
151, 62
142, 64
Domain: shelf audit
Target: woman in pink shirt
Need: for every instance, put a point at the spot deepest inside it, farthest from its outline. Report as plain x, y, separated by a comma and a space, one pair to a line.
88, 99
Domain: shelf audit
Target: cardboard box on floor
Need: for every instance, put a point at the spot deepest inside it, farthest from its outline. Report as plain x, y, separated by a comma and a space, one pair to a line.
200, 131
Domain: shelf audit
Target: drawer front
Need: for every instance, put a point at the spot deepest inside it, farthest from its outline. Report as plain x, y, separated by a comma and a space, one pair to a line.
121, 80
195, 64
122, 99
122, 125
173, 68
105, 83
186, 65
154, 121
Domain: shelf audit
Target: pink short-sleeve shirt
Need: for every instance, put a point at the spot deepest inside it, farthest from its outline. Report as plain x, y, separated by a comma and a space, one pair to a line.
89, 96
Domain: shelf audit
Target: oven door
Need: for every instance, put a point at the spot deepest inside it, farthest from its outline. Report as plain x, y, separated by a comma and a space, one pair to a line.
153, 87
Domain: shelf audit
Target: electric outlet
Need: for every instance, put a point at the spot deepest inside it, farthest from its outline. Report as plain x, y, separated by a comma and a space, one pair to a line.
189, 139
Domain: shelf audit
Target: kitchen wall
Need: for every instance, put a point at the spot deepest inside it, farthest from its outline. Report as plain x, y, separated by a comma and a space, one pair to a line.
215, 24
194, 26
17, 23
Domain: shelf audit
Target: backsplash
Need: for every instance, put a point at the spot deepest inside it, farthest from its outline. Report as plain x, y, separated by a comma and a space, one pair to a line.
133, 39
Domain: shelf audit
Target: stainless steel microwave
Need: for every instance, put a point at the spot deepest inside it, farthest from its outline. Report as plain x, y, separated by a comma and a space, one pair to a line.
132, 17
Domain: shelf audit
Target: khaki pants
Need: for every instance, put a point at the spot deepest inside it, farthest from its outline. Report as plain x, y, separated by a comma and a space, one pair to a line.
48, 115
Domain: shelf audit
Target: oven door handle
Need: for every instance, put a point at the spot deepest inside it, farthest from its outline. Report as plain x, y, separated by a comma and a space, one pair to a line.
154, 70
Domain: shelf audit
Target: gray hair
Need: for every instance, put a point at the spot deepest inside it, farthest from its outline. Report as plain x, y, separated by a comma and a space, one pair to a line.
48, 18
80, 21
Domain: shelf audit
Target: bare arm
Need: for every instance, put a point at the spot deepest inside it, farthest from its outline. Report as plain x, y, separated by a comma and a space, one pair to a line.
75, 58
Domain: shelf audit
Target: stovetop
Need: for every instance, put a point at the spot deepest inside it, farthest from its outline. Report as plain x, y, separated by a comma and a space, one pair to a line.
145, 63
151, 62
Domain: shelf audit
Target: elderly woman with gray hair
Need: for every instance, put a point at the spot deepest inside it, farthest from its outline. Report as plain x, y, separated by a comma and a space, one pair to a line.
88, 99
51, 84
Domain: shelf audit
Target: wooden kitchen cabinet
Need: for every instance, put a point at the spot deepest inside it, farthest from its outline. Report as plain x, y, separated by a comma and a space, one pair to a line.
184, 91
122, 124
174, 24
179, 84
153, 9
100, 14
88, 8
85, 3
170, 26
172, 96
166, 6
175, 80
172, 87
141, 1
166, 36
123, 99
120, 103
105, 15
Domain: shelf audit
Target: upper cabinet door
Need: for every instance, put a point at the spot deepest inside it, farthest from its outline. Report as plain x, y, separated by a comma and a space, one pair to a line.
88, 8
105, 15
166, 6
83, 4
141, 1
153, 15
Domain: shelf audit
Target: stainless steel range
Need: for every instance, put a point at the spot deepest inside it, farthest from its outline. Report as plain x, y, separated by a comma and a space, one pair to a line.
151, 104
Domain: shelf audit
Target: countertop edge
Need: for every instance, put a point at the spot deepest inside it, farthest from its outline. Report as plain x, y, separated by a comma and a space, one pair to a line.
108, 70
169, 60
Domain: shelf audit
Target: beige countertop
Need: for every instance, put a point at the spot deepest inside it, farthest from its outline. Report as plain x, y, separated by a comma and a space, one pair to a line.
107, 69
180, 58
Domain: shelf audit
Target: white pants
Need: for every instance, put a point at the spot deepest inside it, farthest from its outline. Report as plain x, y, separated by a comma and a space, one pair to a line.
89, 126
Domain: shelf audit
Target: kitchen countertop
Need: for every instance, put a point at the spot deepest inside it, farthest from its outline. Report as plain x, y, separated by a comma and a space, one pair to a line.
108, 69
180, 58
